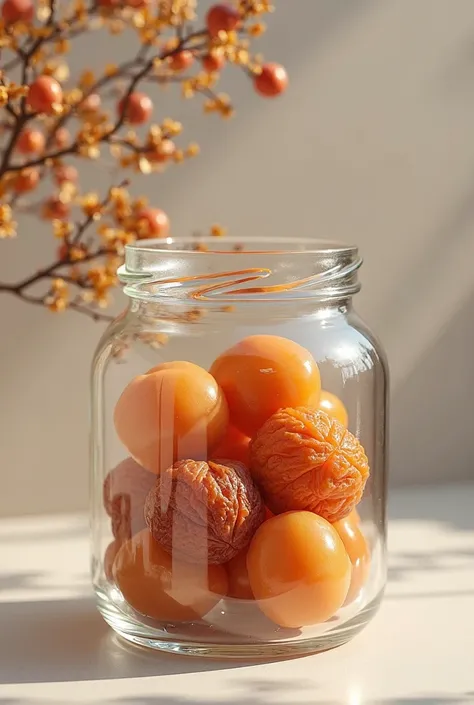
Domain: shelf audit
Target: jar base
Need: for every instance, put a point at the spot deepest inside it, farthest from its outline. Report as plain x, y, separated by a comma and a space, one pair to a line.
142, 636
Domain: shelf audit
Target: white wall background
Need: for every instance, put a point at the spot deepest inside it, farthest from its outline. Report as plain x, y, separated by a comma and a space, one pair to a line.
374, 144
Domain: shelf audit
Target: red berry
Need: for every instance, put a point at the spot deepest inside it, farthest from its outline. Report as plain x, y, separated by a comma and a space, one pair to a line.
222, 18
55, 209
154, 221
272, 81
181, 61
62, 138
90, 104
213, 62
138, 108
27, 180
43, 94
65, 174
17, 11
30, 141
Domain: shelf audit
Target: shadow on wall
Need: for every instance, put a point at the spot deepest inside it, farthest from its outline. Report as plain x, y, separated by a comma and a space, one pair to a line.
437, 387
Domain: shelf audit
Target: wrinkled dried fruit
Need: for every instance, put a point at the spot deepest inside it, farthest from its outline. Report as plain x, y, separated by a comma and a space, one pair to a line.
124, 493
174, 411
109, 557
359, 554
262, 374
303, 459
204, 512
299, 569
160, 587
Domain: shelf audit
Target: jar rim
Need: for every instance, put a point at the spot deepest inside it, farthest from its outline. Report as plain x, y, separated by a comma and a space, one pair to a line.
308, 246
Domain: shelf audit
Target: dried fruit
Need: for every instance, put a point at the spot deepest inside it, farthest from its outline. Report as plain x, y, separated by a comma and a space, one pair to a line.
359, 554
262, 374
334, 407
109, 557
124, 493
160, 587
299, 569
174, 411
204, 512
234, 446
304, 459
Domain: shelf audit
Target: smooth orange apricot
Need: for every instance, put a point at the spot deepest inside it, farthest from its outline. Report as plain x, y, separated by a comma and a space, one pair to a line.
239, 583
234, 446
262, 374
160, 588
299, 569
333, 406
358, 552
109, 557
174, 411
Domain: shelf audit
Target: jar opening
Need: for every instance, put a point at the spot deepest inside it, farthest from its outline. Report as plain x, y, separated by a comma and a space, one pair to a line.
228, 269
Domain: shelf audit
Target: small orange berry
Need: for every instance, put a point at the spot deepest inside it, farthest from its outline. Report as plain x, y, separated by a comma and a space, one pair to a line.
62, 137
155, 222
17, 11
181, 61
30, 141
162, 152
55, 209
44, 92
222, 18
213, 62
27, 180
90, 104
64, 174
137, 108
62, 253
272, 81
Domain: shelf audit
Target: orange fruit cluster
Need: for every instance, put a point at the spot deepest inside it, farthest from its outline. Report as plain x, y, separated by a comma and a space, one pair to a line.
246, 478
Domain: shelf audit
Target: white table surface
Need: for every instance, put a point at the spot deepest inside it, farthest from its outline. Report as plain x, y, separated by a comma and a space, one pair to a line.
419, 650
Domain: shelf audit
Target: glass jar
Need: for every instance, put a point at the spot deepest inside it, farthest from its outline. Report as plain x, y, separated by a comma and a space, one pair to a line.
239, 450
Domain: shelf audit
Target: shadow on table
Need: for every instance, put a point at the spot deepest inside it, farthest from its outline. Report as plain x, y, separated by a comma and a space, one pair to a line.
257, 698
67, 640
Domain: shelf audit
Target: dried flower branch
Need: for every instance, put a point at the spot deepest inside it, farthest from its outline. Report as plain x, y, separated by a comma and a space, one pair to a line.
50, 119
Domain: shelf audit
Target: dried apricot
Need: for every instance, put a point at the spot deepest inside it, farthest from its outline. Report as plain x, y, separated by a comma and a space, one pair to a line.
304, 459
262, 374
158, 586
334, 407
234, 446
358, 552
174, 411
204, 511
124, 493
298, 568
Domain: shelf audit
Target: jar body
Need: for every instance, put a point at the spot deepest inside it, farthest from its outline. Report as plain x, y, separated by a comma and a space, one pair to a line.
160, 581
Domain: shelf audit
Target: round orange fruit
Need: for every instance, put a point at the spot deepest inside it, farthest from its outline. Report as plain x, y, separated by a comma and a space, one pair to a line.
358, 552
160, 588
234, 446
174, 411
334, 407
299, 570
262, 374
239, 583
